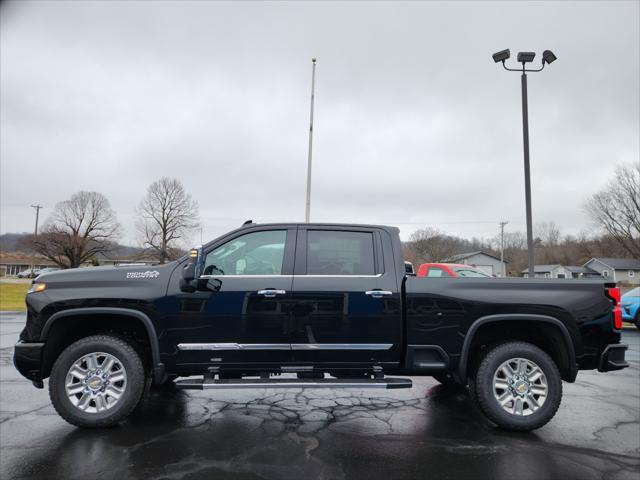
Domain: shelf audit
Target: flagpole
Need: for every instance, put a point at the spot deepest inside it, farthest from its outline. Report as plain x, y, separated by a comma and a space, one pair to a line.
313, 85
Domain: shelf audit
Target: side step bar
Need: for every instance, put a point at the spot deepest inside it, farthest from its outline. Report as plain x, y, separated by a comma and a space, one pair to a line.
209, 384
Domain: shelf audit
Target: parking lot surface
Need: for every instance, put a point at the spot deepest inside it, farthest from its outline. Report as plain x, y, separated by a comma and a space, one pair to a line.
429, 431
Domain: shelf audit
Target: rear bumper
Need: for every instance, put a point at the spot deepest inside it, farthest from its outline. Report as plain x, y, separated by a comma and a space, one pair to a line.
612, 358
27, 358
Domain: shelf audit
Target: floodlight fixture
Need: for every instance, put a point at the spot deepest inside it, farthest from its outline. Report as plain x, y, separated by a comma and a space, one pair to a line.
502, 55
526, 57
548, 57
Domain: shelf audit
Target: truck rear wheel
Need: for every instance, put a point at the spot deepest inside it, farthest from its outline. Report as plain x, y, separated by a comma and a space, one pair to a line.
97, 381
518, 386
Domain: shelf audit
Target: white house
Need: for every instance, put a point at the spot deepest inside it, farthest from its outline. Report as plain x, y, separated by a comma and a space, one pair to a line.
617, 269
549, 271
482, 261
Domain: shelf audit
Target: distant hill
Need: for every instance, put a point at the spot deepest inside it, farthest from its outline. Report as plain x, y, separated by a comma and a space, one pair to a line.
10, 242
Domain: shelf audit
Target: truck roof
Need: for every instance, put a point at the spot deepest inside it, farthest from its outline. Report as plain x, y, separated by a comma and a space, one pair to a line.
318, 224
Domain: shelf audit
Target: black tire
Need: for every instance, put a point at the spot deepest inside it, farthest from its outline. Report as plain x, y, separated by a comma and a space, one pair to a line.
637, 319
168, 384
483, 388
446, 379
127, 357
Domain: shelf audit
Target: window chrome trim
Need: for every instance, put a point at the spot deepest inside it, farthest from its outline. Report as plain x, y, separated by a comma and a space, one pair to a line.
378, 275
245, 276
283, 346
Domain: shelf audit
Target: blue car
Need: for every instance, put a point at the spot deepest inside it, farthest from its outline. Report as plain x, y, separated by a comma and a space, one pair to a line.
631, 306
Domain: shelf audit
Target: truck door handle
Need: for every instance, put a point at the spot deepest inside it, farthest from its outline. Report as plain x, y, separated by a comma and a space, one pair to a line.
271, 292
378, 293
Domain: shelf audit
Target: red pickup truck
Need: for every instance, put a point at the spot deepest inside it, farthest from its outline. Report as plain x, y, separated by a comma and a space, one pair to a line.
449, 270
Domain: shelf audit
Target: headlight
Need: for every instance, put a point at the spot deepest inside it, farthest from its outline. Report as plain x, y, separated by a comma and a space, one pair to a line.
37, 287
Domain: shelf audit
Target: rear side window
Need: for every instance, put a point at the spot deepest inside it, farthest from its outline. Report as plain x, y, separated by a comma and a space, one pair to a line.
437, 272
340, 253
471, 273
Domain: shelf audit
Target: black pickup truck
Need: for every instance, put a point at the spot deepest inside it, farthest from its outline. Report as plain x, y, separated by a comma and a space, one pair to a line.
311, 306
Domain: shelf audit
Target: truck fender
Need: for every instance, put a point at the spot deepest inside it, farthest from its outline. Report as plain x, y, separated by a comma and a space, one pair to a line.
462, 367
158, 367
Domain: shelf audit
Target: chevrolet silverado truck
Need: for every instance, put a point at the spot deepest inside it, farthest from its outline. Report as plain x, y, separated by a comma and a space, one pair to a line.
311, 306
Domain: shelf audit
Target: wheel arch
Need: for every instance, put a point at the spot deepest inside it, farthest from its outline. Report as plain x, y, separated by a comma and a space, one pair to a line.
139, 317
569, 372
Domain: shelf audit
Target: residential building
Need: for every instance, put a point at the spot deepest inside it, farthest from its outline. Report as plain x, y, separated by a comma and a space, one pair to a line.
482, 261
617, 269
548, 271
12, 263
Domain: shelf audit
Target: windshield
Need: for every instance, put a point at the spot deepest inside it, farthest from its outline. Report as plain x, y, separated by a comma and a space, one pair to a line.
633, 293
468, 272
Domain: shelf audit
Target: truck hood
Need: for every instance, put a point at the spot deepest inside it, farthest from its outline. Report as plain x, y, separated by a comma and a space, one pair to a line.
125, 276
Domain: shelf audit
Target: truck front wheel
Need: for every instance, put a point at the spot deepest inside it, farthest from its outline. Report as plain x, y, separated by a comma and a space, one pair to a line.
97, 381
518, 386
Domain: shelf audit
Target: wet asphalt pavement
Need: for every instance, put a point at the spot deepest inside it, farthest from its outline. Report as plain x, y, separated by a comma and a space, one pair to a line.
426, 432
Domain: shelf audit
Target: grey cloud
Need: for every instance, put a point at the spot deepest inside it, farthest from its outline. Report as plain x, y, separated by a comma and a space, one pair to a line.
414, 123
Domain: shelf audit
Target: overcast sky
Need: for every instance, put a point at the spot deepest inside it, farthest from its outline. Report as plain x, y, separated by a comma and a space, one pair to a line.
415, 125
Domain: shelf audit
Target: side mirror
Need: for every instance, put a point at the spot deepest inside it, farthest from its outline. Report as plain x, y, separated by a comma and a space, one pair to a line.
408, 268
191, 270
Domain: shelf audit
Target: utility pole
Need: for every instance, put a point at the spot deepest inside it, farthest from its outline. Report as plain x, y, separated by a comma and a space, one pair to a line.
35, 233
313, 86
504, 269
37, 207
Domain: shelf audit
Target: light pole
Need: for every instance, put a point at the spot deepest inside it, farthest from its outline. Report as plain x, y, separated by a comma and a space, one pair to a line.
524, 58
313, 86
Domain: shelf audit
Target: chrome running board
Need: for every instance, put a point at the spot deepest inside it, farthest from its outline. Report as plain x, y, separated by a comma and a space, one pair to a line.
208, 384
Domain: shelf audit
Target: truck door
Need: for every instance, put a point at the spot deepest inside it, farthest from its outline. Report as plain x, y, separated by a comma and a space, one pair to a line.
239, 315
346, 302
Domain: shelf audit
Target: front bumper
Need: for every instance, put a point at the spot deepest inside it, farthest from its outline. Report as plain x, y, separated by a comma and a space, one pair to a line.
612, 358
27, 358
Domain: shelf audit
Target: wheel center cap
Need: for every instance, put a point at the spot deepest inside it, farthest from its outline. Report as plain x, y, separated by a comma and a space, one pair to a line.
521, 388
95, 383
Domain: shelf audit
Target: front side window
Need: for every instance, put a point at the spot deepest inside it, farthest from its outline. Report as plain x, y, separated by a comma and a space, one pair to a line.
340, 253
257, 253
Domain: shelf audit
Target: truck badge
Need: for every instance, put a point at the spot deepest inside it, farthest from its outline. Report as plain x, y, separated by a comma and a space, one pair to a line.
145, 274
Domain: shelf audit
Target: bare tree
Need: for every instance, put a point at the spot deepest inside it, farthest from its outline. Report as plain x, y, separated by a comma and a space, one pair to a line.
616, 209
78, 229
549, 233
430, 244
167, 216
